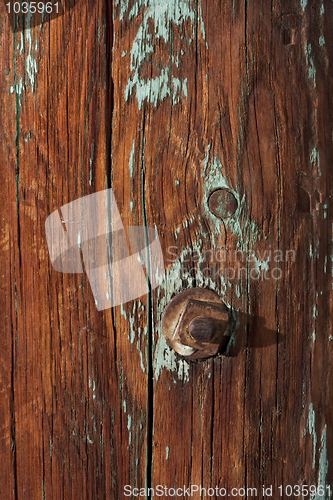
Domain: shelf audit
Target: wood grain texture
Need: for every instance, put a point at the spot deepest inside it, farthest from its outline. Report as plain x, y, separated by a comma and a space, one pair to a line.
165, 102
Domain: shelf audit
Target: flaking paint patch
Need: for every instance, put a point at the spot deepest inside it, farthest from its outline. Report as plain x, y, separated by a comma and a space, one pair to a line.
18, 89
92, 385
304, 3
323, 469
313, 339
129, 423
123, 312
131, 319
156, 89
311, 429
135, 332
28, 48
176, 279
315, 160
314, 316
158, 21
132, 160
31, 61
164, 356
129, 428
180, 276
314, 252
140, 353
92, 154
310, 63
240, 224
323, 462
261, 265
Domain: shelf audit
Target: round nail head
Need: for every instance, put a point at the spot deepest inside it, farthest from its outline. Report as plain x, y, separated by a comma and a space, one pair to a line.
222, 203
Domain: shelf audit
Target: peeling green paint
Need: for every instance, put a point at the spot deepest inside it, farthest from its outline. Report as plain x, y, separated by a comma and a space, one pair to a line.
314, 252
164, 356
325, 208
129, 428
141, 356
30, 62
175, 277
311, 429
179, 277
135, 332
92, 385
261, 265
315, 159
18, 89
132, 160
304, 3
28, 49
163, 15
240, 224
92, 154
122, 310
322, 470
310, 63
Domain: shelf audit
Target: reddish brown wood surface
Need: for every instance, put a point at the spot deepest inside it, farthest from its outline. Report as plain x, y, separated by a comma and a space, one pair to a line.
165, 102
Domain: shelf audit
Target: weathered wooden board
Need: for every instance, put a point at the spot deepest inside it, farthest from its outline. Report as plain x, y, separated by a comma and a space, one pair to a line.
68, 412
165, 102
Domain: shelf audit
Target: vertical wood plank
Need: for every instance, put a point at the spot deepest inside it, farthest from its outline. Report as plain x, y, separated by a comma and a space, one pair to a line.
72, 400
232, 95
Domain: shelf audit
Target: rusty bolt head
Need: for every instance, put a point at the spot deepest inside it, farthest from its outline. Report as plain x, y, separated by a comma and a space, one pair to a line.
202, 329
196, 323
222, 203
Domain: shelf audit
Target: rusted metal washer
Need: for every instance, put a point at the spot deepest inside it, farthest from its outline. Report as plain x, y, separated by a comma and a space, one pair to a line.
196, 323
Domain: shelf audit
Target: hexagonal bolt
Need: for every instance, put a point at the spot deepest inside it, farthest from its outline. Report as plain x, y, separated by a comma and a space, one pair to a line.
196, 323
202, 329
